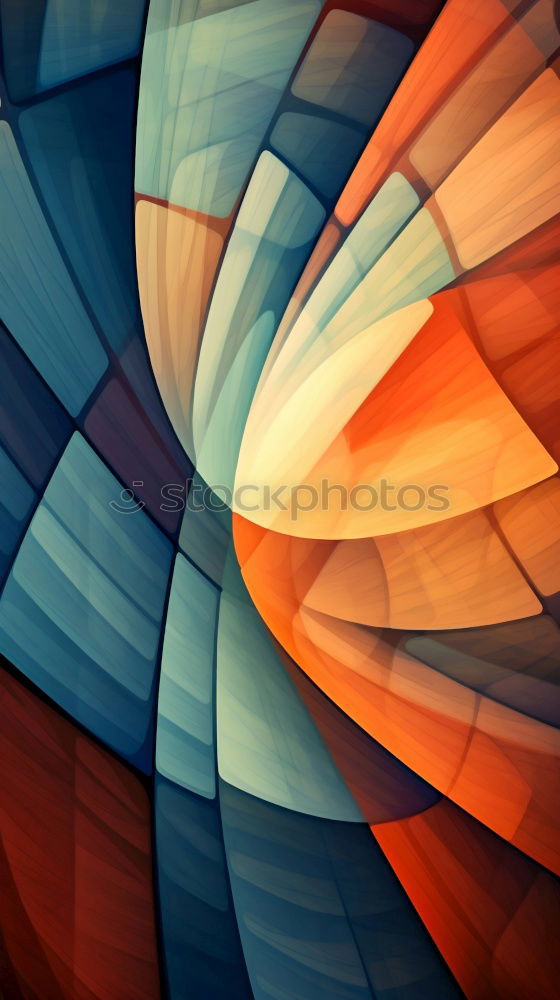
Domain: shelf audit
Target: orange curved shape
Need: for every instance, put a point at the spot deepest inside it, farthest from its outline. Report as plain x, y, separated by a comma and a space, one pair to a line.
493, 761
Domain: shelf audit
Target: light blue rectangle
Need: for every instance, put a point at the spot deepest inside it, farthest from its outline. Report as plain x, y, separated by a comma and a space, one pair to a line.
185, 734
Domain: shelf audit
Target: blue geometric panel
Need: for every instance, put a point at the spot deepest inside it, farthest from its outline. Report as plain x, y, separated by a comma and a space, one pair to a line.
79, 143
81, 610
205, 533
33, 425
322, 150
268, 744
201, 124
80, 37
185, 750
16, 503
22, 26
38, 301
320, 912
398, 955
201, 947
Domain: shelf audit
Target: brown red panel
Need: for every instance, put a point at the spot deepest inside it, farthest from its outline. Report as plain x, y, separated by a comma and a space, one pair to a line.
76, 900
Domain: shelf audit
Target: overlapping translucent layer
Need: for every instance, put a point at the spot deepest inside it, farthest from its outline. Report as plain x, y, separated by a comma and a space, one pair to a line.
307, 747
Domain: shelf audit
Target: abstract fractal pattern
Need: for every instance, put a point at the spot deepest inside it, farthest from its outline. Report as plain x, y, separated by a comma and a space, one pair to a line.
279, 500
